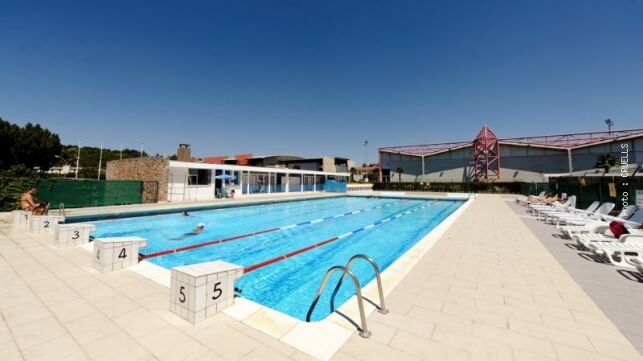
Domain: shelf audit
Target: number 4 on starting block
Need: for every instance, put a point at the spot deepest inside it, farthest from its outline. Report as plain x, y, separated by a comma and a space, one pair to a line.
112, 254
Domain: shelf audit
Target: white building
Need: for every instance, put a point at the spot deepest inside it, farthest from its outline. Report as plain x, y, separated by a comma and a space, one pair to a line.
190, 181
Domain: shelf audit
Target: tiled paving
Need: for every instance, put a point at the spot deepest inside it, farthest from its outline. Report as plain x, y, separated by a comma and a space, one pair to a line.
617, 291
487, 290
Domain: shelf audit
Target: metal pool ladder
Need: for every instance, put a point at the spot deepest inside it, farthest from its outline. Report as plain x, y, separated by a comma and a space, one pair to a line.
364, 332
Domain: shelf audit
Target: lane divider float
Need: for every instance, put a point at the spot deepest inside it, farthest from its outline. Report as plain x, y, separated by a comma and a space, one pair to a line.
333, 239
142, 256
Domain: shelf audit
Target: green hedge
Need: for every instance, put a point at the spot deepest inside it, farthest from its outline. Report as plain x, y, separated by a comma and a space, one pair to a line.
11, 189
508, 187
586, 192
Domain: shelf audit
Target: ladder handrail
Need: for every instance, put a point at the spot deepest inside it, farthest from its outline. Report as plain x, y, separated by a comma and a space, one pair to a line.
364, 332
382, 307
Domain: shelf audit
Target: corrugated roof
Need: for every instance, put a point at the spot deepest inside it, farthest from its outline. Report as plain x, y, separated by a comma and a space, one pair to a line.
556, 141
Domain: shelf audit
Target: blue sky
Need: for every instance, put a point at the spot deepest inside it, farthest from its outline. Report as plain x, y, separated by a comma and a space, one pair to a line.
318, 77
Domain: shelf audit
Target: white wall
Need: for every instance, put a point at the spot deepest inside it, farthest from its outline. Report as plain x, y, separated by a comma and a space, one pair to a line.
178, 190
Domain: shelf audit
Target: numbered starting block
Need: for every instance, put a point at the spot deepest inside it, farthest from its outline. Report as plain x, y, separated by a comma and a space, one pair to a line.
44, 224
21, 218
201, 290
112, 254
73, 234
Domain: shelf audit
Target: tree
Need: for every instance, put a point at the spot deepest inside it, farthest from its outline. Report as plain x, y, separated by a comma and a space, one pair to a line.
353, 171
399, 171
605, 162
31, 145
8, 134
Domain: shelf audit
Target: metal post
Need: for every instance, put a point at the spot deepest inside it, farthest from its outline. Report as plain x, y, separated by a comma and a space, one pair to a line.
379, 156
185, 183
422, 168
241, 181
569, 161
287, 182
100, 160
301, 181
366, 153
269, 181
78, 159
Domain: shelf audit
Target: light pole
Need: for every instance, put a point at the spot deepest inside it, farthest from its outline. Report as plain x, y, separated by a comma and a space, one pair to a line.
77, 160
609, 123
366, 153
61, 158
100, 160
64, 160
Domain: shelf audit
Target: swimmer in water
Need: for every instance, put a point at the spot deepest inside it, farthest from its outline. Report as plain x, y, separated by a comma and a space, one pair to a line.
198, 229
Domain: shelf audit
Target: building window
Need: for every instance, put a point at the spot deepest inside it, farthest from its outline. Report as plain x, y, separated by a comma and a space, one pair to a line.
199, 177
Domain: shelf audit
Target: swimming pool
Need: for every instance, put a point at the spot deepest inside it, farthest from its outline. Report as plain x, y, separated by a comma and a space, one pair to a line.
317, 234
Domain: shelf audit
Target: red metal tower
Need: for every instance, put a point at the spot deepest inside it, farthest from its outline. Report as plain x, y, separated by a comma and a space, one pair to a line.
486, 156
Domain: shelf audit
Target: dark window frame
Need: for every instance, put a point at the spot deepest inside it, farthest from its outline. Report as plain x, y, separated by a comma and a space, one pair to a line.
199, 177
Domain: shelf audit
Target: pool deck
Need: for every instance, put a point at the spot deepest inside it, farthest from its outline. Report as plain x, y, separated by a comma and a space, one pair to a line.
489, 289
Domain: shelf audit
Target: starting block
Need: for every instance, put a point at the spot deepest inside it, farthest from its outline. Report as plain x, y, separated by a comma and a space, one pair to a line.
112, 254
21, 218
73, 234
202, 290
44, 224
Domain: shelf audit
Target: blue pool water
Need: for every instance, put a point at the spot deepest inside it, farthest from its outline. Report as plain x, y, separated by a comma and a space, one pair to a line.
289, 285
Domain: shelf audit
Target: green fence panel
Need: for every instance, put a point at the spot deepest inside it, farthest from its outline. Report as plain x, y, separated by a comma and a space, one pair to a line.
75, 193
597, 189
528, 189
586, 192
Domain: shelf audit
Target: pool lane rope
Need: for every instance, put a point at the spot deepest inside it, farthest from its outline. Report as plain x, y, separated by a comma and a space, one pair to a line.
407, 211
246, 235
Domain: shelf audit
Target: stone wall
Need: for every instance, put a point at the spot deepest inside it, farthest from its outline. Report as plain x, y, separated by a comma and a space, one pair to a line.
153, 171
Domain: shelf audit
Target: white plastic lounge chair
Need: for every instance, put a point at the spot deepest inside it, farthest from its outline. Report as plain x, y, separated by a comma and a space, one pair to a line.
586, 240
530, 199
590, 226
634, 222
551, 216
617, 252
627, 214
579, 219
636, 261
570, 203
